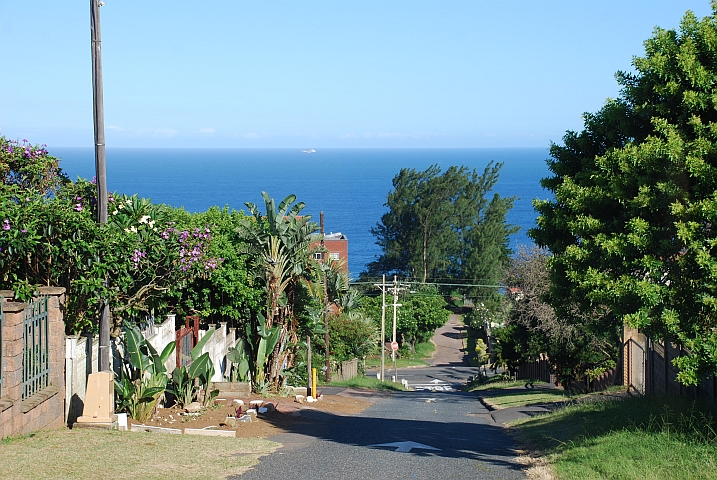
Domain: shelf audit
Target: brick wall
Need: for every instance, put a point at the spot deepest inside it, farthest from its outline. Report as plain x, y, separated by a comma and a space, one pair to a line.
46, 408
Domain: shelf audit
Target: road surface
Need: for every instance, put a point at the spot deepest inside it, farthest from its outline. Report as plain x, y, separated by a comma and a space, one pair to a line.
434, 431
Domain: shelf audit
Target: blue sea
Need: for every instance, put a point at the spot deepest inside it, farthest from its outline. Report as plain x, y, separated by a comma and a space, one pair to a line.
349, 185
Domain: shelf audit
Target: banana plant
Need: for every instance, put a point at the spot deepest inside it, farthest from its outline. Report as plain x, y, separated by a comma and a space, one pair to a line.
240, 359
143, 377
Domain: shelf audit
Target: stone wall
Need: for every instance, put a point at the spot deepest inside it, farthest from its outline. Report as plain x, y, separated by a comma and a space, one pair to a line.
46, 408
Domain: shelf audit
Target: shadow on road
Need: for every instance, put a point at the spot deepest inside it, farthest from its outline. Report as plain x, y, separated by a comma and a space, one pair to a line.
472, 438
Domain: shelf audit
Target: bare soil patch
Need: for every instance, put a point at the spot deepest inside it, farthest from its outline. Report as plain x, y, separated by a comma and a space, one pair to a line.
286, 416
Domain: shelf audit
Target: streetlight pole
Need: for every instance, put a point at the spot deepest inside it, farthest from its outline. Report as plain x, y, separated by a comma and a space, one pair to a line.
100, 165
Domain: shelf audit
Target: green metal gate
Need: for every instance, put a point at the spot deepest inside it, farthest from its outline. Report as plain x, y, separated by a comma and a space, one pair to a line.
2, 345
36, 355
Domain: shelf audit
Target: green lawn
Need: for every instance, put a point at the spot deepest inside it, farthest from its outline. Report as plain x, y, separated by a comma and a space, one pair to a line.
368, 382
520, 398
635, 438
89, 454
424, 352
498, 382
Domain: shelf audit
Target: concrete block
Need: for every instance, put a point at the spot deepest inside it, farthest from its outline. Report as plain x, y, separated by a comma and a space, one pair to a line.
209, 433
147, 428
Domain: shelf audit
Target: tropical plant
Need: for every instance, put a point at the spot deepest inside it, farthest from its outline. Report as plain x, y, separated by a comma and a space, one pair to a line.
189, 381
143, 375
278, 243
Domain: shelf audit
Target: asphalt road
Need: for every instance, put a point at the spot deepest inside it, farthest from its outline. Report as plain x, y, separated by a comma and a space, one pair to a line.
433, 431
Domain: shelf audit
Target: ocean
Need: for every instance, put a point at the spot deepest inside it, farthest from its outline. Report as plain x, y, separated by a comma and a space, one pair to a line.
349, 185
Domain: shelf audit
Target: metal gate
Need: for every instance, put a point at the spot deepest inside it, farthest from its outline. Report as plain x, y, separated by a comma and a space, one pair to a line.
36, 354
2, 343
186, 339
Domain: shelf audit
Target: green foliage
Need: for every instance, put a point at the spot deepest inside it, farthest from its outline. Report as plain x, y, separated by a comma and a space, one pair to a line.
29, 167
143, 376
417, 319
631, 224
353, 335
278, 247
441, 224
189, 381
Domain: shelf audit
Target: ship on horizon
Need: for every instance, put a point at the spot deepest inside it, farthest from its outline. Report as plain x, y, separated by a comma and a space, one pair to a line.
309, 151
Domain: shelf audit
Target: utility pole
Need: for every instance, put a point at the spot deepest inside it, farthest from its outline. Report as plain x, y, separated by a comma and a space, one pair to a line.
382, 286
395, 308
100, 166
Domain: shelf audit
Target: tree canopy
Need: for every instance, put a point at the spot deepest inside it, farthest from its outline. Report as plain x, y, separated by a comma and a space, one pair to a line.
631, 226
444, 225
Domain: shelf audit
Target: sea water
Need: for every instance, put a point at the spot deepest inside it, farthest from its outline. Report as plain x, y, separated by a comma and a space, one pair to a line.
349, 185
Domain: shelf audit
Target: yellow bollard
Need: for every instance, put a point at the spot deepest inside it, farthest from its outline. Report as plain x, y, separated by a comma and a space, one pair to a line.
315, 385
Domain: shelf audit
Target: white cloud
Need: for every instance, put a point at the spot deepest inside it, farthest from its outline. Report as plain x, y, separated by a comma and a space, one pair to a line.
207, 130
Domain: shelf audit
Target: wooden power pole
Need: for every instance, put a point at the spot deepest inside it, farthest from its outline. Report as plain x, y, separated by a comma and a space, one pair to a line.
100, 165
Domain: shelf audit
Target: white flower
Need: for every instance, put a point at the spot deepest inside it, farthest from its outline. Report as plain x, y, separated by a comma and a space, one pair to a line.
120, 206
115, 212
128, 201
144, 219
127, 230
151, 223
133, 228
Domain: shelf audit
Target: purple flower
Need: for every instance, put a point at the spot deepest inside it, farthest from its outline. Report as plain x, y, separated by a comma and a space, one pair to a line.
23, 230
78, 207
6, 225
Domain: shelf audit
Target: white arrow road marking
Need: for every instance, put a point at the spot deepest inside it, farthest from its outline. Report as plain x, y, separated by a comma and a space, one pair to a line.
405, 446
437, 381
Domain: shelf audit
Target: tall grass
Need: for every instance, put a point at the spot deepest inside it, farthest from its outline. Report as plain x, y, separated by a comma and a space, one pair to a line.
646, 437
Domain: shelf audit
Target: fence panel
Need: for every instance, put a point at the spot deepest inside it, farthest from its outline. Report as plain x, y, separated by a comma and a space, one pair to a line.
36, 354
536, 370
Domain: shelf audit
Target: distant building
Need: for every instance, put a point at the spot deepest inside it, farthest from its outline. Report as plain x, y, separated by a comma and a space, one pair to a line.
336, 245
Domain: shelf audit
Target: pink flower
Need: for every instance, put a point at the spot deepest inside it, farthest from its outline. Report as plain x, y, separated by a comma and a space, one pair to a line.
6, 225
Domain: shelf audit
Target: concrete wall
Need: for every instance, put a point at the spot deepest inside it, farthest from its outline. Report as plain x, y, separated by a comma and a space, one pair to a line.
218, 346
46, 408
81, 359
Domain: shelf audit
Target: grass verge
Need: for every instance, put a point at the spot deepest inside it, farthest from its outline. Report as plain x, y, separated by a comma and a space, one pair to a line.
89, 454
368, 382
498, 382
635, 438
423, 353
521, 398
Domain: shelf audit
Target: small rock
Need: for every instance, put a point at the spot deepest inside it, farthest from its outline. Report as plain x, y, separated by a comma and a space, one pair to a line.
231, 421
256, 403
244, 419
299, 399
310, 399
193, 407
251, 411
238, 402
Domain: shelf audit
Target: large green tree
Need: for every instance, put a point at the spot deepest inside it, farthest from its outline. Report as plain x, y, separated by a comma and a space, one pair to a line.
443, 224
632, 224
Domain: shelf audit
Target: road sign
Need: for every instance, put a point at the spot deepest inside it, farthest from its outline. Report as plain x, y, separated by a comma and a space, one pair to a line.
394, 346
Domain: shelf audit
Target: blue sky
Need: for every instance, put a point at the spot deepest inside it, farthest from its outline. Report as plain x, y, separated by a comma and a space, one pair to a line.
376, 74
